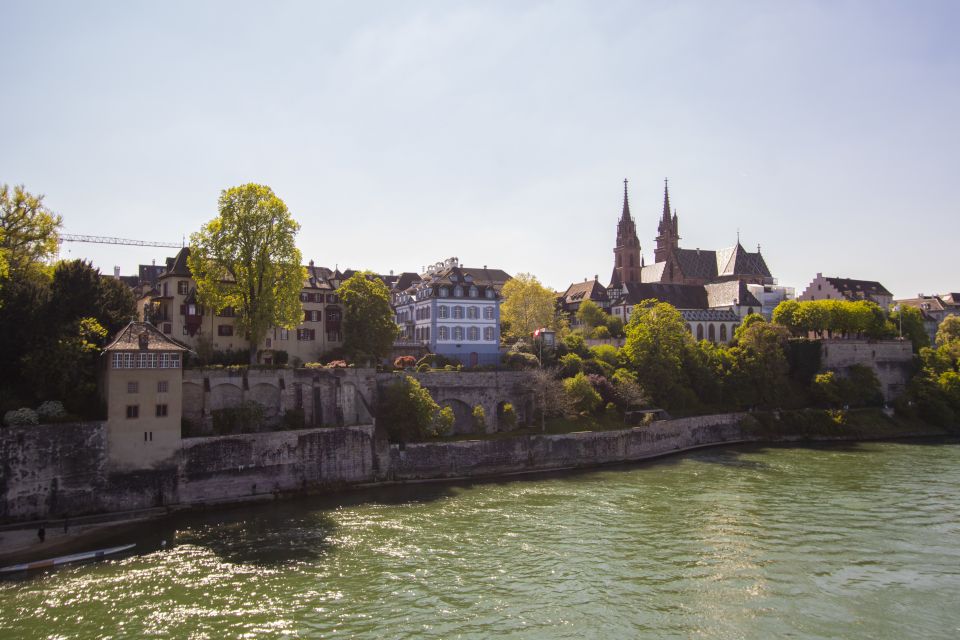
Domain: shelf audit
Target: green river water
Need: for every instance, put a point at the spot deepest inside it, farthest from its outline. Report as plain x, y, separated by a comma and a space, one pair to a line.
853, 541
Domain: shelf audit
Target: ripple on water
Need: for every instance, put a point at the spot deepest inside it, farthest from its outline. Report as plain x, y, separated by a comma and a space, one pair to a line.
739, 542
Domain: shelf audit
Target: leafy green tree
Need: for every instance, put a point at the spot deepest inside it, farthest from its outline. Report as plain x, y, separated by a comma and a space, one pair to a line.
407, 410
591, 316
910, 320
570, 365
949, 331
581, 392
527, 305
606, 353
787, 314
246, 258
443, 422
368, 326
29, 232
748, 321
657, 339
615, 325
759, 368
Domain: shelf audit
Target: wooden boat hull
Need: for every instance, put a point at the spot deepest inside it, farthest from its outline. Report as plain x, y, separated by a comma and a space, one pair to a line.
76, 557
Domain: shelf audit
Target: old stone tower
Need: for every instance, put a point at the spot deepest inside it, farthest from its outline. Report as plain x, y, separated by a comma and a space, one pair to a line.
668, 238
627, 261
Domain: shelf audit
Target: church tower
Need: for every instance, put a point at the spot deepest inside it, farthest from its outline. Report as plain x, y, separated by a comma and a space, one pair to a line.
669, 229
627, 263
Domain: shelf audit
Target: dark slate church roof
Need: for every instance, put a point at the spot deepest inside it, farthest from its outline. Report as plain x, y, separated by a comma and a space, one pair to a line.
729, 294
681, 296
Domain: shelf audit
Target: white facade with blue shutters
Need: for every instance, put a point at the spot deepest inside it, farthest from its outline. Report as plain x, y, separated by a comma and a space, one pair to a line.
454, 311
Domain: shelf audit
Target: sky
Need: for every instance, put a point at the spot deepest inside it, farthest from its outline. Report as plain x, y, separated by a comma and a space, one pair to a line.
403, 133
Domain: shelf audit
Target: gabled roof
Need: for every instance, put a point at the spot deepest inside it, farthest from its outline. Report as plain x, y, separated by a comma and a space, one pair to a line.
681, 296
858, 289
177, 266
730, 293
652, 272
697, 263
143, 336
737, 261
587, 290
406, 280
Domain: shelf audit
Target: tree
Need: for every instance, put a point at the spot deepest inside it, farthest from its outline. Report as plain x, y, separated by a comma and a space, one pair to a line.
591, 316
949, 331
786, 314
29, 232
408, 410
748, 321
656, 340
246, 258
910, 320
368, 326
527, 305
552, 399
581, 392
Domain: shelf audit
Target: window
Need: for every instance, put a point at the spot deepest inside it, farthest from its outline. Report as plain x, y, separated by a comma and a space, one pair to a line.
458, 291
284, 334
473, 333
488, 313
474, 292
458, 313
269, 343
333, 335
183, 287
311, 316
227, 312
133, 387
332, 299
163, 386
147, 360
458, 333
167, 327
133, 411
444, 292
444, 333
490, 293
225, 330
443, 312
161, 411
426, 333
170, 361
473, 313
723, 333
306, 334
148, 436
488, 334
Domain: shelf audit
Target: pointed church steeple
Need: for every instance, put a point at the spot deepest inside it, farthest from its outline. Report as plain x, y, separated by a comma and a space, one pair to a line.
666, 201
626, 203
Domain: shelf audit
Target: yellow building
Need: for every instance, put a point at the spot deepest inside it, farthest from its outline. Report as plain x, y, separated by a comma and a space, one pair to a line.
143, 388
173, 308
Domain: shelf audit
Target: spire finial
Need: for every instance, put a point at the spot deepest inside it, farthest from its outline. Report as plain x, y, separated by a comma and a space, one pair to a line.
666, 200
738, 235
626, 202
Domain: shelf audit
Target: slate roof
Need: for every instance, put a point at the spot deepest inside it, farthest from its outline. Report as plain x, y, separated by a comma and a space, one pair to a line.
129, 339
652, 272
697, 263
709, 315
730, 293
177, 266
681, 296
858, 289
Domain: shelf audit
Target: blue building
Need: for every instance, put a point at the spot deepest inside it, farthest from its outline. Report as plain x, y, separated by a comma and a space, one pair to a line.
454, 311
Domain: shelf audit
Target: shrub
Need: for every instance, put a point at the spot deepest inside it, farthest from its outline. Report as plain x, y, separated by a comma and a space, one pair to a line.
570, 365
479, 418
404, 362
21, 418
442, 422
508, 416
244, 418
582, 393
825, 389
423, 367
293, 419
575, 344
519, 360
600, 333
606, 353
407, 410
281, 357
51, 410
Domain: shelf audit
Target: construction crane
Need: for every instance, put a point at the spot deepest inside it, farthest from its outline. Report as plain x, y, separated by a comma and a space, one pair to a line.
70, 237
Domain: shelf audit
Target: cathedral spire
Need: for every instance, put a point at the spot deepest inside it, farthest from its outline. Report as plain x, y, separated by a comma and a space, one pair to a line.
666, 201
626, 202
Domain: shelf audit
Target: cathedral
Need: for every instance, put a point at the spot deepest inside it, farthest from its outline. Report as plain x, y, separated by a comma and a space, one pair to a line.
673, 265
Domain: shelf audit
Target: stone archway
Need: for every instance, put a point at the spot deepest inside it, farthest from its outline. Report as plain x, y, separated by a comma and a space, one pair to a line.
462, 415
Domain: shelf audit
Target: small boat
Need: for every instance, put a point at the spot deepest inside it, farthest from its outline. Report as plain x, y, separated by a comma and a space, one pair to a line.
76, 557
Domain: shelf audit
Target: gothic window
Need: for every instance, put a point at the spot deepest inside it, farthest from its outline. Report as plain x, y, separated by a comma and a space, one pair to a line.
723, 333
712, 333
631, 260
699, 332
619, 261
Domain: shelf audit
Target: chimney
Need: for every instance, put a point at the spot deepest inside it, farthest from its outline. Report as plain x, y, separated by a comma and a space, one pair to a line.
116, 273
391, 271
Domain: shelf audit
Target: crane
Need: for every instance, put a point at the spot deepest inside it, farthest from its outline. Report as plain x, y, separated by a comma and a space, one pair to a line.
70, 237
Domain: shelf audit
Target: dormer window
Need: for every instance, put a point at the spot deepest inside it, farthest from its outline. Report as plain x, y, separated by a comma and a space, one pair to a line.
458, 291
490, 293
474, 292
444, 292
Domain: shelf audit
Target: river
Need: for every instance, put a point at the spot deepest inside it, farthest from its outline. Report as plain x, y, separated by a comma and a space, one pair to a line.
850, 541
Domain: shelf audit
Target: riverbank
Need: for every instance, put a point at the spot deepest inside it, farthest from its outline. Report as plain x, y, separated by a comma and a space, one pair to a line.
439, 461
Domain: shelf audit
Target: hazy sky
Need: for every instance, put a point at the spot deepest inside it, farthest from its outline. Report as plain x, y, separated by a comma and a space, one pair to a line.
401, 133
